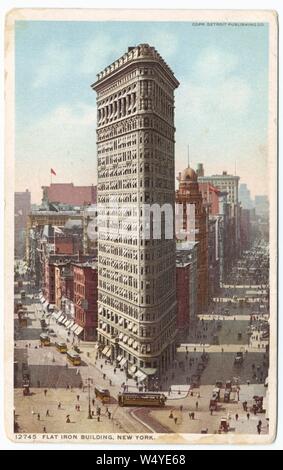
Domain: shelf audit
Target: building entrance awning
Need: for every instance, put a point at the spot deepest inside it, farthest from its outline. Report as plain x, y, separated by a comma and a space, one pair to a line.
108, 354
123, 362
78, 330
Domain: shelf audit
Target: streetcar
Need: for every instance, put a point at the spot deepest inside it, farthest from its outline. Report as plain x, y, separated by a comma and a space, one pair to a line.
44, 339
74, 358
61, 347
141, 399
102, 393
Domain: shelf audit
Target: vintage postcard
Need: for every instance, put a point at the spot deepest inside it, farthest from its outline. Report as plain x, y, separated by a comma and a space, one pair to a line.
141, 220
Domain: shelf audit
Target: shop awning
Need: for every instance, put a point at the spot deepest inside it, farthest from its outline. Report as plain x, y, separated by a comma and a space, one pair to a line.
133, 369
130, 342
61, 318
135, 345
135, 328
123, 361
104, 351
71, 324
119, 358
42, 299
140, 375
125, 339
65, 320
45, 304
78, 330
121, 321
108, 354
121, 336
75, 325
67, 324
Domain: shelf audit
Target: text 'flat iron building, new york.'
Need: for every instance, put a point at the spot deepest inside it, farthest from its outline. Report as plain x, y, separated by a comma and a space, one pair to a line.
135, 152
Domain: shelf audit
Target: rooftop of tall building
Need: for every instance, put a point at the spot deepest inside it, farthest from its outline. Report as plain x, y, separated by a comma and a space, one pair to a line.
140, 52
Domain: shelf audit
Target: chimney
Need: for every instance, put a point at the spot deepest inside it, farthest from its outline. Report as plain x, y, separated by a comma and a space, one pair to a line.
130, 48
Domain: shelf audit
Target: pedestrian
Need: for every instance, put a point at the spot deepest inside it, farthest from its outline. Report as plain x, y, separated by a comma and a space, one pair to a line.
211, 410
44, 429
171, 415
59, 406
38, 417
109, 415
78, 397
101, 366
196, 405
45, 392
93, 401
181, 408
248, 416
193, 415
79, 408
258, 429
104, 376
236, 416
68, 419
47, 413
175, 420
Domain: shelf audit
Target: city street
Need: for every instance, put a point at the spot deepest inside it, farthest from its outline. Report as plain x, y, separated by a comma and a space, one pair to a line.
57, 388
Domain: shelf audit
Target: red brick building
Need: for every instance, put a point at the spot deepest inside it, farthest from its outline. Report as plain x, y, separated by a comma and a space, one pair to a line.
85, 298
210, 196
22, 210
183, 296
189, 195
67, 193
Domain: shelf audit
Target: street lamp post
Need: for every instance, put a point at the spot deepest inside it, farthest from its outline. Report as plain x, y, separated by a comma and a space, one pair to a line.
89, 381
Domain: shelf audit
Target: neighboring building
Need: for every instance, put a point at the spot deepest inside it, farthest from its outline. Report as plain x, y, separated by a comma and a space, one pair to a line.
90, 231
210, 196
22, 210
85, 299
213, 257
50, 214
262, 206
186, 286
135, 149
245, 197
190, 197
229, 184
245, 229
224, 182
67, 193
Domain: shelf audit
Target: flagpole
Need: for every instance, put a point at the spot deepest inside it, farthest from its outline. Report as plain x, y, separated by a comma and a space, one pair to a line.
50, 177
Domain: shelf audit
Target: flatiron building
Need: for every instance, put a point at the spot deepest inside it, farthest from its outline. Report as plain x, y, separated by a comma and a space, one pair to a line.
135, 155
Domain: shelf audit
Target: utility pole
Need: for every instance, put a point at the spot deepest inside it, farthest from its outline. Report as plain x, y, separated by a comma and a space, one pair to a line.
89, 381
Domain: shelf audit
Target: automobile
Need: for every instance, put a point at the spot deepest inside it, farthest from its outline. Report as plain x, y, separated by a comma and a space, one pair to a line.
228, 385
239, 358
77, 349
224, 425
218, 383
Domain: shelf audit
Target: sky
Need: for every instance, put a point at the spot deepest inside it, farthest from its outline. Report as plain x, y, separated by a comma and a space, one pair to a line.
221, 103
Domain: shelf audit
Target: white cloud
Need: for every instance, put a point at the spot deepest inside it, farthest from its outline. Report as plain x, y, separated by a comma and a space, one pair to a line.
55, 63
65, 140
214, 94
99, 52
